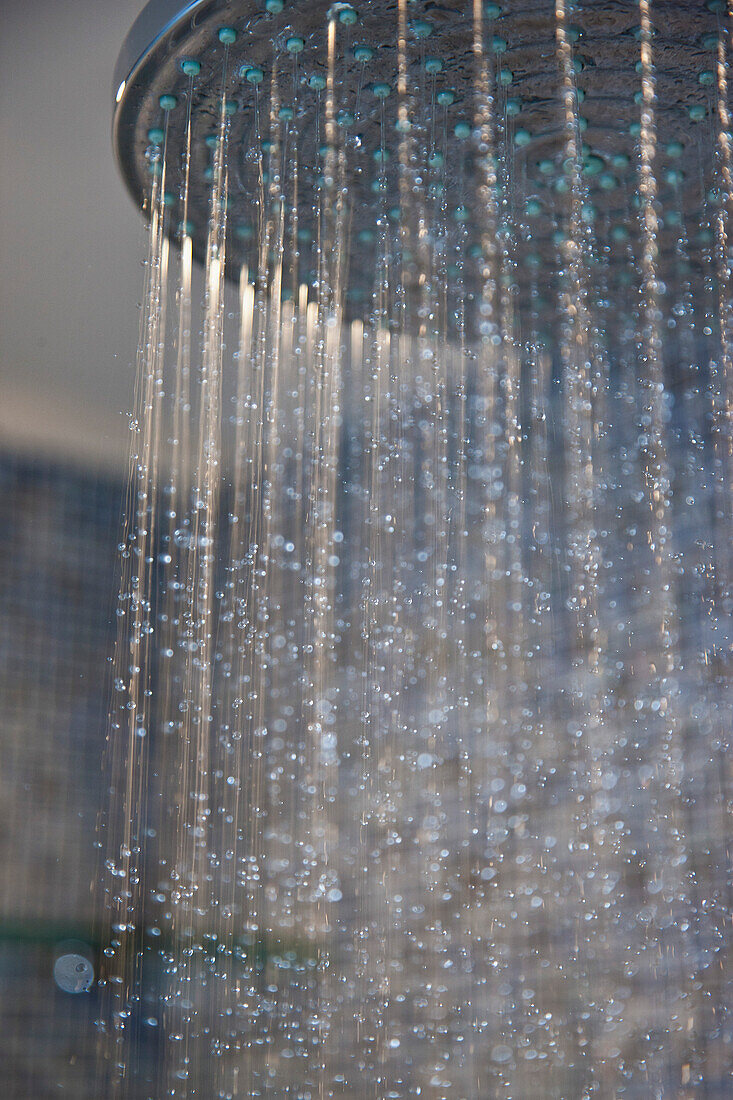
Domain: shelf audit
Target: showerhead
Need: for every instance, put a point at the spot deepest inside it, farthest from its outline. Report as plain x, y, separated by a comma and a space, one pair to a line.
409, 131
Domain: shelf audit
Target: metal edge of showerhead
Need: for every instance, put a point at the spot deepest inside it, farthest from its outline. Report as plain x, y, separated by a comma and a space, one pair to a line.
150, 36
165, 35
154, 22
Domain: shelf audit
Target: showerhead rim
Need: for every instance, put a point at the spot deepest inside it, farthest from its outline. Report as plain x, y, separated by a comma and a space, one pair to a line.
153, 25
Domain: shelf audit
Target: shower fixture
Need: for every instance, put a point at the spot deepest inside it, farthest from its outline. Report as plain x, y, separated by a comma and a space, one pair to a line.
276, 76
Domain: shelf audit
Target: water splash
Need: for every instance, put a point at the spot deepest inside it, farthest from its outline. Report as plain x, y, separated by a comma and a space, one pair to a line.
418, 751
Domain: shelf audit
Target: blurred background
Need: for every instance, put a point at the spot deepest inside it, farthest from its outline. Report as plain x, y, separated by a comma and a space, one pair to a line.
72, 245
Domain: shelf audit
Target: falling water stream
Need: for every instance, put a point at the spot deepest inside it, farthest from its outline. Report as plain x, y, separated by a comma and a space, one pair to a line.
417, 754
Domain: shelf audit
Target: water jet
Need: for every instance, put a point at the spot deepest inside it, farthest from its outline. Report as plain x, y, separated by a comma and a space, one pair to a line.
421, 689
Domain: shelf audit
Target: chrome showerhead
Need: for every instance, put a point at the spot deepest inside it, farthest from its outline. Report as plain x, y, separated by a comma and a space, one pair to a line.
406, 129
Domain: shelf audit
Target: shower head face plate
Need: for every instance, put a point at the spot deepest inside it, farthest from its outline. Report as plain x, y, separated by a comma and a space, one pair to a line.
275, 78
